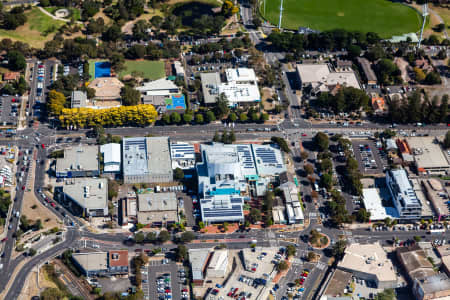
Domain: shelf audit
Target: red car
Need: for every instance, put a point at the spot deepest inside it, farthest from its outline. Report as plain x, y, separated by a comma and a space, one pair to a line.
23, 188
5, 239
304, 134
52, 204
43, 146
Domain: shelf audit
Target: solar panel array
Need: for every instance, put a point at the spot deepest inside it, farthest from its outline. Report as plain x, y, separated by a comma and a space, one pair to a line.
267, 156
135, 142
181, 150
246, 155
234, 211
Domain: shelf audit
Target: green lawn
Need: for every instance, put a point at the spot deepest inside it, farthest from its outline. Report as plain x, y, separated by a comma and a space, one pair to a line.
38, 29
381, 16
39, 21
150, 69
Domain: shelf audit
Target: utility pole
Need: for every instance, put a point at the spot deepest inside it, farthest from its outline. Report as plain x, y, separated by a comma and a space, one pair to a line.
424, 14
281, 14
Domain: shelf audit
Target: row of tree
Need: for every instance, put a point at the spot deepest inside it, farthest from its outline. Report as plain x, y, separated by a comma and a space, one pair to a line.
139, 115
419, 107
347, 99
326, 40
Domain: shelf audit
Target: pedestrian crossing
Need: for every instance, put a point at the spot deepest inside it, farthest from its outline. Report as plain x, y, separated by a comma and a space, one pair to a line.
321, 266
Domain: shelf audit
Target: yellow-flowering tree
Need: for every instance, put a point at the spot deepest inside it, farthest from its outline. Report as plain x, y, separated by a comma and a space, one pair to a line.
138, 115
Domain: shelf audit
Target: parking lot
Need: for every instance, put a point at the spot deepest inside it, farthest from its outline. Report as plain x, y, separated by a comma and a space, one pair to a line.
9, 110
162, 281
253, 279
371, 159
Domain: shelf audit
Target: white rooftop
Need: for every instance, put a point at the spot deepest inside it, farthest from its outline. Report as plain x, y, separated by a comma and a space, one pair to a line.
405, 188
240, 74
111, 157
159, 84
373, 204
369, 259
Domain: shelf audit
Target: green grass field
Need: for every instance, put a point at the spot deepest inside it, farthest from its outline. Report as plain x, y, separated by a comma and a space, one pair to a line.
381, 16
38, 29
150, 69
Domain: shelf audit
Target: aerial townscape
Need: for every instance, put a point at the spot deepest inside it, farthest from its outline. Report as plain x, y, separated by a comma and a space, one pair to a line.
224, 150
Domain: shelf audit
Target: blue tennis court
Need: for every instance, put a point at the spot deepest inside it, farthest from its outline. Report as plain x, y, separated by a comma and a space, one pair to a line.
176, 102
102, 69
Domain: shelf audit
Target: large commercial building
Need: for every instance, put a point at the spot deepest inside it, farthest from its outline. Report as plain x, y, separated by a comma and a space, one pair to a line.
146, 159
228, 174
111, 158
157, 208
78, 161
403, 195
89, 194
241, 87
324, 78
369, 262
428, 155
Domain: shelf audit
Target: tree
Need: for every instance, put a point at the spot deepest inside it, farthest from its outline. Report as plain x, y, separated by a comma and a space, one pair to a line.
281, 143
309, 169
32, 252
446, 143
187, 118
417, 238
16, 61
290, 250
130, 96
56, 102
187, 236
139, 237
175, 117
232, 117
140, 30
321, 141
210, 117
326, 180
433, 78
163, 236
166, 119
112, 34
181, 253
338, 249
420, 75
151, 237
216, 137
243, 117
199, 118
363, 215
387, 294
222, 108
311, 256
178, 174
282, 266
304, 155
254, 215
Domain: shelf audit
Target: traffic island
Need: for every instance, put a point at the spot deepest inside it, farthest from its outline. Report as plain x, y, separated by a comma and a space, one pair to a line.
318, 240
